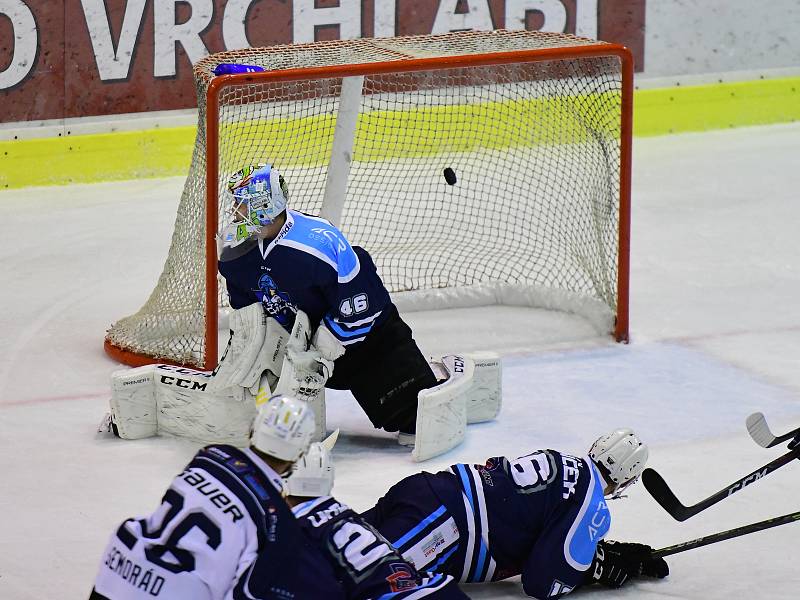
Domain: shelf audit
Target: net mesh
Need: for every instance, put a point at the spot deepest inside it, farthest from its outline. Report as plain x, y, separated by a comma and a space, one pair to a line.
533, 217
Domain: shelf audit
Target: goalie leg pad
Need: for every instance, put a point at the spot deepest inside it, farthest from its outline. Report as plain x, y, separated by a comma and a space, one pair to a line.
442, 410
162, 398
484, 396
189, 407
133, 402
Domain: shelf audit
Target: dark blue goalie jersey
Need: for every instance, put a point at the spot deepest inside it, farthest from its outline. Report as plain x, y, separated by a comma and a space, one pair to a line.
366, 566
309, 265
540, 515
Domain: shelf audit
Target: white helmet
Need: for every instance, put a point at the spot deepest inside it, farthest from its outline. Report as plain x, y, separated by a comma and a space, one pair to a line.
312, 475
283, 428
621, 457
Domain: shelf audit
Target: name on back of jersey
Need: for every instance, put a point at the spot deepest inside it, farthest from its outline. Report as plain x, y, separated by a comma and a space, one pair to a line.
214, 494
322, 516
132, 573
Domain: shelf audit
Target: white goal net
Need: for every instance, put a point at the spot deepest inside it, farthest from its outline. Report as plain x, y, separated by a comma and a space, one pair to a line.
535, 127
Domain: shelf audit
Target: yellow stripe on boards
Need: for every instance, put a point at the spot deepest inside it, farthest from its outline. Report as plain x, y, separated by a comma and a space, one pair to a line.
415, 132
96, 157
719, 106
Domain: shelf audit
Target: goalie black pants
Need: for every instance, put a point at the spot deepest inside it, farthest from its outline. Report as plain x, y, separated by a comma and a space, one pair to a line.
385, 373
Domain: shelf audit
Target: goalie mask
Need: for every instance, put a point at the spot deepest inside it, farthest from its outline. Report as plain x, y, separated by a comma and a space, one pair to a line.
283, 428
259, 195
621, 458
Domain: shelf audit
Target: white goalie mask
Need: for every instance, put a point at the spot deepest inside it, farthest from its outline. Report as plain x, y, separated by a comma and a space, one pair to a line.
312, 476
621, 457
258, 194
283, 428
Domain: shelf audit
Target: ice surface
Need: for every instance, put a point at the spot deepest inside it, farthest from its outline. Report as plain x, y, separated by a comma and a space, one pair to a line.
715, 336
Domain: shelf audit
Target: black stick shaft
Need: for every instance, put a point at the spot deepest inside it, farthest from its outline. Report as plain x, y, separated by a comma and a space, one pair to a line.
662, 493
749, 478
726, 535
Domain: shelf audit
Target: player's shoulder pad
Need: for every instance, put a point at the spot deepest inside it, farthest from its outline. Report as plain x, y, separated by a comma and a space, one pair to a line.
319, 238
592, 521
234, 468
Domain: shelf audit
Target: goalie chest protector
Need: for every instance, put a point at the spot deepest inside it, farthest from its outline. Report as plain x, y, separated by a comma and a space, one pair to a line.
309, 265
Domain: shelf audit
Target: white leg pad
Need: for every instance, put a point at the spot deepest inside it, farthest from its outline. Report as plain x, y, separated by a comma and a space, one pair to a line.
133, 402
485, 395
165, 399
442, 411
188, 408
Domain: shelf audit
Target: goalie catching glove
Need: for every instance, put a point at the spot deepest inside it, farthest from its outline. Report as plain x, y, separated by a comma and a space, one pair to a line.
615, 563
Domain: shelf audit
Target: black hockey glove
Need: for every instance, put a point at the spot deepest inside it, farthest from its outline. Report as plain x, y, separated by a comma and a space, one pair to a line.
616, 562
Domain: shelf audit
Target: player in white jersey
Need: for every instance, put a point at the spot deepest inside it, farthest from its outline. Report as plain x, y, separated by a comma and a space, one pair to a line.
223, 530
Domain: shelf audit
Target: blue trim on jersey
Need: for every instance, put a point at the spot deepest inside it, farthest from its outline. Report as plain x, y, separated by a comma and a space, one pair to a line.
442, 559
435, 580
321, 239
481, 565
340, 332
477, 571
462, 473
590, 526
420, 526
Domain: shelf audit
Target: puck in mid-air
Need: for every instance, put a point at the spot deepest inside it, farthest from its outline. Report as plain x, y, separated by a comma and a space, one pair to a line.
450, 176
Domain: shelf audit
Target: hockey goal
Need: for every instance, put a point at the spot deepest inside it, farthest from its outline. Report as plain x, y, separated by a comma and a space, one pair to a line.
535, 126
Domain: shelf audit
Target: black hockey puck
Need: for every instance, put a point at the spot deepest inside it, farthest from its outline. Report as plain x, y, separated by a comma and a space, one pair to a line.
450, 176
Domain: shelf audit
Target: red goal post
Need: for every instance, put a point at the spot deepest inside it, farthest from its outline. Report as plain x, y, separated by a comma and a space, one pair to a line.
537, 126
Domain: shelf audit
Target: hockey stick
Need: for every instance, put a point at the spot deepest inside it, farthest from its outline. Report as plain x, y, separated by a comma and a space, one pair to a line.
761, 433
662, 494
726, 535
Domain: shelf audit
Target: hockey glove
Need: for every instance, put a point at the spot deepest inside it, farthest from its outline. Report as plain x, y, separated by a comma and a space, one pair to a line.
616, 562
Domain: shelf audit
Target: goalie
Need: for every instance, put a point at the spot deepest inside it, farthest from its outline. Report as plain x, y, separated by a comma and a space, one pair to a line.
310, 312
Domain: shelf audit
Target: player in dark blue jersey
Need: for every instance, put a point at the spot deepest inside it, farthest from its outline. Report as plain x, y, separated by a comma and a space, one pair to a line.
542, 515
287, 260
365, 564
309, 312
223, 530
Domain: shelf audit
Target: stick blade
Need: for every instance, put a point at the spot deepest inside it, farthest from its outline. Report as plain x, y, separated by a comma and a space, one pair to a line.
759, 430
661, 493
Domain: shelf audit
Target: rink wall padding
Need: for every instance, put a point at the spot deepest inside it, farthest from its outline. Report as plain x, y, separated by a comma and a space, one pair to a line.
167, 151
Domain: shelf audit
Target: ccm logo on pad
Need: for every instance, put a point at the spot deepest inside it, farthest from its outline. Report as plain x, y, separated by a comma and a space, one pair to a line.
183, 383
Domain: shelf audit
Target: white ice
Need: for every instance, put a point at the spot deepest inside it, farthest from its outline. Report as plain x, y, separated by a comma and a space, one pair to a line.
715, 314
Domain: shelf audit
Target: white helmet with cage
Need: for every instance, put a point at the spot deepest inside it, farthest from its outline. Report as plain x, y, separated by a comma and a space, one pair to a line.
259, 194
621, 457
312, 476
283, 428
